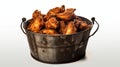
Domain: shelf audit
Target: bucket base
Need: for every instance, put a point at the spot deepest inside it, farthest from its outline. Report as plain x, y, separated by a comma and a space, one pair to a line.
75, 59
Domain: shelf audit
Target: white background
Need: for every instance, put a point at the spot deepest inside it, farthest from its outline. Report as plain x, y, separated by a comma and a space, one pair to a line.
103, 49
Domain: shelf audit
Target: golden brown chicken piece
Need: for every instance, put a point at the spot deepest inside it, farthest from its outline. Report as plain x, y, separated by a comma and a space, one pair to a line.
52, 23
84, 25
62, 27
37, 22
67, 14
77, 22
48, 31
70, 28
54, 11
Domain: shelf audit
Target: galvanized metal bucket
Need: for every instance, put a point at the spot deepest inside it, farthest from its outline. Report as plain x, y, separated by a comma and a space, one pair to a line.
58, 48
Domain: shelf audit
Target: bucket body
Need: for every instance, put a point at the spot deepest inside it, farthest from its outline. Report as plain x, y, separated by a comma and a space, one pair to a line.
58, 48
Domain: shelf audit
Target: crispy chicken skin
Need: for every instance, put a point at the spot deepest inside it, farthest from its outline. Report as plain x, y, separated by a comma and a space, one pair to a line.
67, 14
48, 31
37, 22
77, 22
52, 23
70, 28
54, 11
62, 27
36, 14
84, 25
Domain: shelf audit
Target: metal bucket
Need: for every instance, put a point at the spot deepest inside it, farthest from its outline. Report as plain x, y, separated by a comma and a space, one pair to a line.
58, 48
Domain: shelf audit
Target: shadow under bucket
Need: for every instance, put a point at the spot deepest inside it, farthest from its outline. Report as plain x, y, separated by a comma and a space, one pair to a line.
58, 48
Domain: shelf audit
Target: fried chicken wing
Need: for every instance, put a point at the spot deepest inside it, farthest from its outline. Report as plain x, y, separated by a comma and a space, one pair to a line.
77, 22
48, 31
52, 23
54, 11
62, 27
67, 14
37, 22
70, 28
84, 25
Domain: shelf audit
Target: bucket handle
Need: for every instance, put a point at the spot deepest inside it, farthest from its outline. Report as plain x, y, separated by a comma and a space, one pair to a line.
93, 20
21, 25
